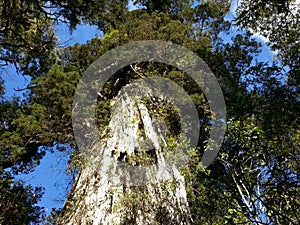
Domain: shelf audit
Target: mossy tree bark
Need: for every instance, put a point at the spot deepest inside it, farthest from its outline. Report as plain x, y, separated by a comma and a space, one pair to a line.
112, 194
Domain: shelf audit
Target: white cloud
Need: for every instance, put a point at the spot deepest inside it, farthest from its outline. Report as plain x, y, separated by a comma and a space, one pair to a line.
258, 36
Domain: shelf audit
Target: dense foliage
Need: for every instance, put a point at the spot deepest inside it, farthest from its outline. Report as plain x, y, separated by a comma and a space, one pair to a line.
254, 179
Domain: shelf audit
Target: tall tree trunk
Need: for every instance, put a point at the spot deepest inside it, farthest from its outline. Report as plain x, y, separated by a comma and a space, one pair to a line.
109, 194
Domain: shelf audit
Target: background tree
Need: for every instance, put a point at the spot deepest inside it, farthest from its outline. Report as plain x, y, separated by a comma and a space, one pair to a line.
27, 42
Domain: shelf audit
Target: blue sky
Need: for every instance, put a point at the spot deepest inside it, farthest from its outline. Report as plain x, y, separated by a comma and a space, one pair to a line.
51, 172
82, 34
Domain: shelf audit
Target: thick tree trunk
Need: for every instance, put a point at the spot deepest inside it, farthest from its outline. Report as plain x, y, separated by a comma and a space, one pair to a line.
109, 194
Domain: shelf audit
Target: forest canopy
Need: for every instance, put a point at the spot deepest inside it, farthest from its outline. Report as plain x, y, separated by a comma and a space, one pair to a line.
255, 177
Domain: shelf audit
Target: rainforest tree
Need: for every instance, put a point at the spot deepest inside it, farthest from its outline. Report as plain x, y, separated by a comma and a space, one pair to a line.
255, 177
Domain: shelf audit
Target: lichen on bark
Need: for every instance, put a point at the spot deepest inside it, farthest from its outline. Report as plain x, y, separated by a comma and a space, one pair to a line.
126, 179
